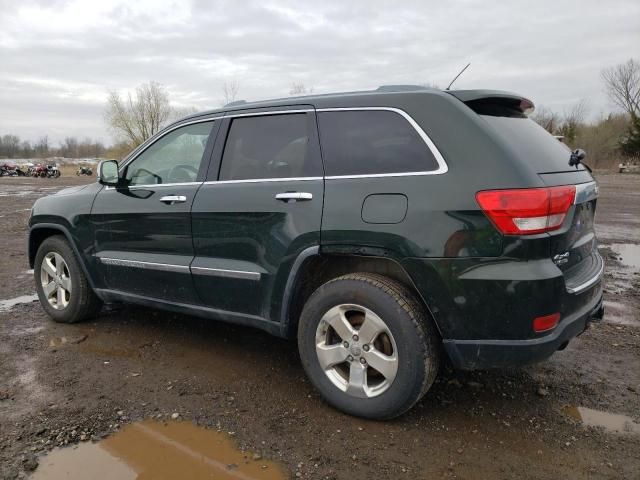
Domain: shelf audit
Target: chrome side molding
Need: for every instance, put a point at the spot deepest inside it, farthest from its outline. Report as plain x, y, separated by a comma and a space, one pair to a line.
166, 267
221, 272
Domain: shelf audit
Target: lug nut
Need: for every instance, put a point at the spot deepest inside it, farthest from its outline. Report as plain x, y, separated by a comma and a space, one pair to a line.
345, 344
365, 348
350, 358
363, 361
355, 338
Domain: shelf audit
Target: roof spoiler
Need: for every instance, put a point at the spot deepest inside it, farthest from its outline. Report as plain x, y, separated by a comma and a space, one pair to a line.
477, 99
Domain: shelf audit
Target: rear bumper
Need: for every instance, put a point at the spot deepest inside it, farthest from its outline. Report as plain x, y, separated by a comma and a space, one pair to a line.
484, 354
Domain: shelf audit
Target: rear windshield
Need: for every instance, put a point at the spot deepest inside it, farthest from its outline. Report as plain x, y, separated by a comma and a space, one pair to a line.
532, 142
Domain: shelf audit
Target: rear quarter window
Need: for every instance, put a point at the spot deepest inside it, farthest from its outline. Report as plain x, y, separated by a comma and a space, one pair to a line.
370, 142
532, 143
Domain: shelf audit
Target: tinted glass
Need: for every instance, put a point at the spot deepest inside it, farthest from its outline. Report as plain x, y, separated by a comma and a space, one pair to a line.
271, 146
372, 142
174, 158
532, 142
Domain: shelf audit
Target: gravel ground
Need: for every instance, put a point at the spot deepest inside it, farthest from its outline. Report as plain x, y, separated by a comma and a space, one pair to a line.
64, 384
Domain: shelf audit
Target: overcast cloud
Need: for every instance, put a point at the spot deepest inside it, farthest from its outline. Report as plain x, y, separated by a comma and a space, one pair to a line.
58, 59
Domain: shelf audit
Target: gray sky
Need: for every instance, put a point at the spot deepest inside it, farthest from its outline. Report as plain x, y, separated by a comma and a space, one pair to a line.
59, 58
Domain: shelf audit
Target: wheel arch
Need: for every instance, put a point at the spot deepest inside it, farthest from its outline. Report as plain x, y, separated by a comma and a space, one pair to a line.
39, 232
314, 268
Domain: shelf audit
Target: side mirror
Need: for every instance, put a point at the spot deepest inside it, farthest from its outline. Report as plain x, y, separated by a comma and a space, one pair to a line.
108, 173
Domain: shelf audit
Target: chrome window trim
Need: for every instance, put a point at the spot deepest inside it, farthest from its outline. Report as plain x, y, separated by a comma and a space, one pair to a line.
259, 180
585, 192
155, 185
154, 139
592, 281
223, 272
166, 267
269, 112
442, 164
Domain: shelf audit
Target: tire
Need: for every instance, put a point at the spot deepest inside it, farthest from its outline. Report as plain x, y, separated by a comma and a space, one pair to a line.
407, 341
77, 301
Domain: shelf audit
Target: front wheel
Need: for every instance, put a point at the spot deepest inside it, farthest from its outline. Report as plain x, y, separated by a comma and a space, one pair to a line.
368, 345
62, 287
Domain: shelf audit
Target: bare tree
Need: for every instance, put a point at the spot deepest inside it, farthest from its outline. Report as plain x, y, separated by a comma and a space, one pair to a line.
230, 91
623, 86
546, 118
138, 117
298, 88
42, 146
573, 119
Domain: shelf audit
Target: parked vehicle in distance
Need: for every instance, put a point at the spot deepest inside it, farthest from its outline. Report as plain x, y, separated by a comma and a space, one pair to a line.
39, 170
383, 230
11, 169
84, 171
52, 171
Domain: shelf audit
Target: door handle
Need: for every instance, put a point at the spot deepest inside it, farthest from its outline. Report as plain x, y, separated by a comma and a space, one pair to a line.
171, 199
294, 196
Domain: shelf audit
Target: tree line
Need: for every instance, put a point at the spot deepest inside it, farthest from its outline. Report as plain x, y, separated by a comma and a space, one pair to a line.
612, 137
12, 146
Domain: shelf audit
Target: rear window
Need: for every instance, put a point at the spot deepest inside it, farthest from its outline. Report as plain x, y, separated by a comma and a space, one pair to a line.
371, 142
532, 142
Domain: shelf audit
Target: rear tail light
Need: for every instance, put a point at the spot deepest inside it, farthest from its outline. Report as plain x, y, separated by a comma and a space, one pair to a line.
527, 211
546, 323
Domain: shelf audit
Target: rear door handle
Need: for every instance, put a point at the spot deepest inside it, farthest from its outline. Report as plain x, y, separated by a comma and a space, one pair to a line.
171, 199
294, 196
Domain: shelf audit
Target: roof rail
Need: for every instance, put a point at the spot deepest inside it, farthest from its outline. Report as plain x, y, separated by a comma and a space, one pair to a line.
400, 88
235, 103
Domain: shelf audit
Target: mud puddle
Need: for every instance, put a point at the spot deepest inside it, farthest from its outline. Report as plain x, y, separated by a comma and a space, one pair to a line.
6, 305
610, 422
619, 313
629, 254
151, 449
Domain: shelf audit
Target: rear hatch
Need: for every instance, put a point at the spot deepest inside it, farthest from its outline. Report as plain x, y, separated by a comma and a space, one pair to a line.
573, 246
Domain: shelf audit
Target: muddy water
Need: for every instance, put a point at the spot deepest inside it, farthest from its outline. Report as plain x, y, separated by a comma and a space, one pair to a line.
154, 450
620, 313
610, 422
6, 305
629, 253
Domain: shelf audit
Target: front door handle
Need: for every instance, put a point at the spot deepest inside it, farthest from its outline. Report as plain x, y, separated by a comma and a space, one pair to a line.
171, 199
294, 196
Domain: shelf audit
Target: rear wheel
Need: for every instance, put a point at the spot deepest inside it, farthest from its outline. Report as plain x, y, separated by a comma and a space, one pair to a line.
368, 345
62, 287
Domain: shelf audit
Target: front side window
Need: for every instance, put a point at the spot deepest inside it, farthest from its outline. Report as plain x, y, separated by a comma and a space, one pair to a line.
269, 146
174, 158
368, 142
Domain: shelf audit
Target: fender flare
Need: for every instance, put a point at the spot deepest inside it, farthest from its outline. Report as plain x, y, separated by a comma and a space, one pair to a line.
303, 256
67, 234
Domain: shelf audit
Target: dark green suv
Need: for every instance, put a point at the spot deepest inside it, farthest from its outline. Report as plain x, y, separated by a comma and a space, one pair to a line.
384, 229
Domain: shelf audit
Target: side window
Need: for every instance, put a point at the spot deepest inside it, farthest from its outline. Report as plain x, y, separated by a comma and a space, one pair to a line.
369, 142
269, 146
174, 158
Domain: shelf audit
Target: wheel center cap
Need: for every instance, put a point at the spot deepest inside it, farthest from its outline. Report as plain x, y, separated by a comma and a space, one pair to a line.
355, 350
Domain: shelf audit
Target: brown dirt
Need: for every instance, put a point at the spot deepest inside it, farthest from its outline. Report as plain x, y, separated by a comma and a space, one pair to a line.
61, 382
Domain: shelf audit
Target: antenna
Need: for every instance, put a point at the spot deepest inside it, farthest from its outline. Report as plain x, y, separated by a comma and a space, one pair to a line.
456, 77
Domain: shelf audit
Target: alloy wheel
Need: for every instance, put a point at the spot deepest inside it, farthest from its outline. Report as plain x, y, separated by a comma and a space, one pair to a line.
56, 280
356, 350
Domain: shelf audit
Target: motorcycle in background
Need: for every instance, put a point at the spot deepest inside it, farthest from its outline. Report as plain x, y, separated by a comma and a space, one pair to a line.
10, 169
52, 171
84, 171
